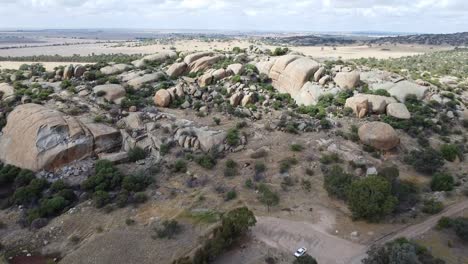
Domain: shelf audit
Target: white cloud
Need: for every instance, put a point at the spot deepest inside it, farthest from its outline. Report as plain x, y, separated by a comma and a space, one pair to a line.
313, 15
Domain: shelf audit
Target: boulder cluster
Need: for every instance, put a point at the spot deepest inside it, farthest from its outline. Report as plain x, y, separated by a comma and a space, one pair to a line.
36, 138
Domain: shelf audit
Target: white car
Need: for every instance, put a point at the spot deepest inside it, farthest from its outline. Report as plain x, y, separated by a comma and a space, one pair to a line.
300, 252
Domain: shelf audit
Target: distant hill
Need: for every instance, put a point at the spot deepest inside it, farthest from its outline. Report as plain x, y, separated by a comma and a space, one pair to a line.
310, 40
455, 39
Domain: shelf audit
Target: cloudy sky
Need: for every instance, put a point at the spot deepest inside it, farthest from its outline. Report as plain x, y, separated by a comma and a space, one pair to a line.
289, 15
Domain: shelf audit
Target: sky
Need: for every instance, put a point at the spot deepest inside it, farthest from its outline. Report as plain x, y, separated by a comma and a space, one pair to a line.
430, 16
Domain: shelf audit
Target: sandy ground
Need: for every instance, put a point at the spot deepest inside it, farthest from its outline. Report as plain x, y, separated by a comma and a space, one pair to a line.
291, 235
14, 65
345, 52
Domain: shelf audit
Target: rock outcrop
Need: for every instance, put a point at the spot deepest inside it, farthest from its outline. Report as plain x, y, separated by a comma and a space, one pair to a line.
360, 105
7, 92
37, 138
347, 80
114, 69
162, 98
139, 81
176, 69
398, 110
112, 92
291, 74
158, 57
379, 135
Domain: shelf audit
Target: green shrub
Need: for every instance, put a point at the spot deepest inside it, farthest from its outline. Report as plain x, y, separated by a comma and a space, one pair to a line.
442, 182
136, 183
231, 195
306, 259
296, 147
400, 251
425, 161
260, 167
136, 154
101, 198
231, 168
371, 198
169, 229
286, 164
106, 178
280, 51
460, 225
140, 197
444, 222
180, 166
206, 161
232, 137
432, 206
337, 182
330, 158
450, 152
267, 196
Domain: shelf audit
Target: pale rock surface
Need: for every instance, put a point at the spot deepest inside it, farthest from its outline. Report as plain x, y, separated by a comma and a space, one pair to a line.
236, 68
37, 138
398, 110
158, 57
162, 98
147, 78
7, 92
176, 69
113, 92
114, 69
347, 80
379, 135
360, 105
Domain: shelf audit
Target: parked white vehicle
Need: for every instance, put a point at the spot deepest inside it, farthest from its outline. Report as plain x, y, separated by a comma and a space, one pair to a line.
300, 252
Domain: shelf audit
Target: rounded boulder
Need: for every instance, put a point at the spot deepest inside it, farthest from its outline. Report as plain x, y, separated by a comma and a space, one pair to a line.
162, 98
379, 135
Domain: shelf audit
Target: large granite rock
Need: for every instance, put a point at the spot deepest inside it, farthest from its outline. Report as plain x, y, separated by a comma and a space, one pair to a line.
401, 90
79, 71
176, 69
37, 138
360, 105
114, 69
158, 57
347, 80
162, 98
112, 92
7, 92
204, 63
147, 78
379, 135
195, 56
377, 103
68, 72
291, 74
310, 94
398, 110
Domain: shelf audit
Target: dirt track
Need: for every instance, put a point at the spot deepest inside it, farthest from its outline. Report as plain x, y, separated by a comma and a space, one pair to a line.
289, 235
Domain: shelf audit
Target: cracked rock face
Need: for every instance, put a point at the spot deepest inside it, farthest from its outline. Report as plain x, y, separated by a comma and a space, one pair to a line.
37, 138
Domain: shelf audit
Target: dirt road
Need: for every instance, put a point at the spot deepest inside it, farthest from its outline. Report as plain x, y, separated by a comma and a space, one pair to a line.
289, 235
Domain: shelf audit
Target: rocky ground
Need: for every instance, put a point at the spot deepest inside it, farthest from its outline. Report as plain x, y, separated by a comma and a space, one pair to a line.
210, 131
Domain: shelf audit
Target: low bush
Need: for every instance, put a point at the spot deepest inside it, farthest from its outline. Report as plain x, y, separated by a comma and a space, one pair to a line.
169, 229
337, 182
425, 161
432, 206
136, 154
230, 169
442, 182
450, 152
371, 198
